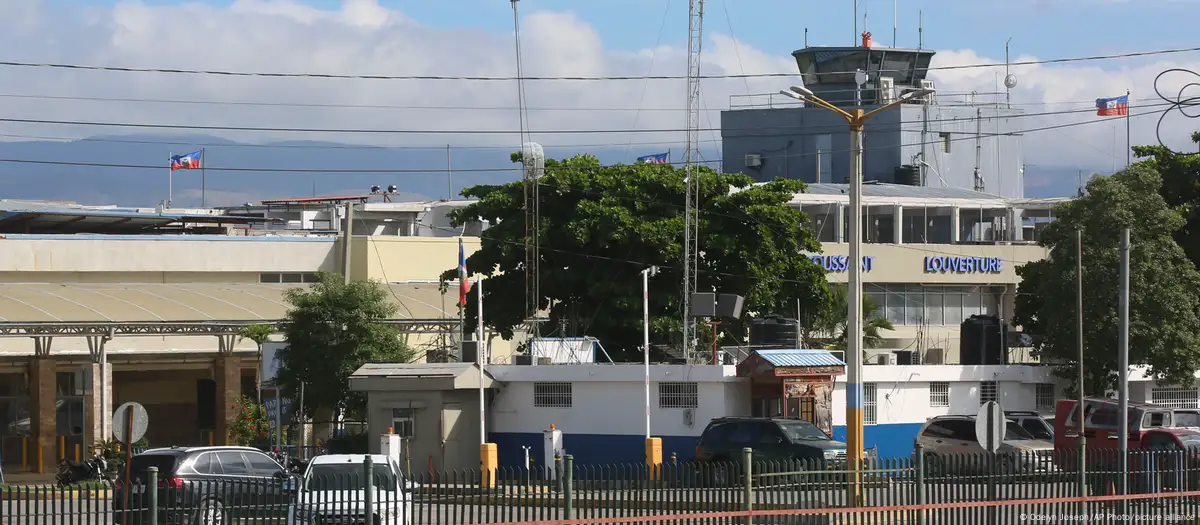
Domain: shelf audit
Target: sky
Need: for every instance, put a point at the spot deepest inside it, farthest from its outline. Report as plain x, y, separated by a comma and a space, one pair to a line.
562, 38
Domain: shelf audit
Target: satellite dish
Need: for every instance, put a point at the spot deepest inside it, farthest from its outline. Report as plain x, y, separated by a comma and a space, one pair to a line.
860, 77
1010, 81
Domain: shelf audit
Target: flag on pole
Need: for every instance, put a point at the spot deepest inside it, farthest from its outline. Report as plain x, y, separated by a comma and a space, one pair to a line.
191, 161
464, 284
1112, 107
657, 158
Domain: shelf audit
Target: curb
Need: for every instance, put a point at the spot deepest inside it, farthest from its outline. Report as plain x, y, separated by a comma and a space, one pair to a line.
39, 494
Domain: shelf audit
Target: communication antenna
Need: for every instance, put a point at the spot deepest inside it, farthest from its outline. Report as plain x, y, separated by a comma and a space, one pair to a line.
1010, 80
533, 163
691, 222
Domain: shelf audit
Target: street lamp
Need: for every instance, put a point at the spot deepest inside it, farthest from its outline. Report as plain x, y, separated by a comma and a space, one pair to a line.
646, 274
855, 446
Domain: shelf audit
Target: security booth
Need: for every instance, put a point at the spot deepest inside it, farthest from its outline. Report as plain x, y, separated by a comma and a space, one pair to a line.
793, 383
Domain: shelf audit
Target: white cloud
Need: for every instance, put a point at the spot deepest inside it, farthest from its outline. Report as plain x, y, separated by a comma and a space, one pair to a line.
363, 37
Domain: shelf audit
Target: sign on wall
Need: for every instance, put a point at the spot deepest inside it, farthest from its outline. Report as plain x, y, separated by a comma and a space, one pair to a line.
841, 263
956, 264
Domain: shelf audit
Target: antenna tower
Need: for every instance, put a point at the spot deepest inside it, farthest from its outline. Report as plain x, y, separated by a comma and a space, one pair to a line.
532, 159
691, 224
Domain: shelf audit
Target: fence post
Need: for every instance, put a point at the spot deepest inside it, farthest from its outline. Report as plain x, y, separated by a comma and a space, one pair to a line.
748, 481
1081, 465
151, 495
919, 455
369, 488
568, 487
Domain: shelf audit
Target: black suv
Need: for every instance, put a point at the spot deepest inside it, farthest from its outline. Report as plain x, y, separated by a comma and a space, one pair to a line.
206, 486
771, 439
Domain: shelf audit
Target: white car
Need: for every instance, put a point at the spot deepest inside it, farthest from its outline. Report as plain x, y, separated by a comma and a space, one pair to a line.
332, 490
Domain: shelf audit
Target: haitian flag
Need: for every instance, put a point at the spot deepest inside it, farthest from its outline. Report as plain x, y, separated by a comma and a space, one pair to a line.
464, 284
1112, 107
657, 158
191, 161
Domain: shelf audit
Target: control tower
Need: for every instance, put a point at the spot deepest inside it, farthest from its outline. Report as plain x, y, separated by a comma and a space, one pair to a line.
941, 139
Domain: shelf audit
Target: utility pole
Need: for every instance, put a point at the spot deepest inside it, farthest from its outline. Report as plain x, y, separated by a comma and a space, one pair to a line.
691, 221
1123, 371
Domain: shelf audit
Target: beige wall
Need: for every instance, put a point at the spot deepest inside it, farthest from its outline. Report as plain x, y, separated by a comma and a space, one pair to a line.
68, 256
442, 440
399, 259
905, 263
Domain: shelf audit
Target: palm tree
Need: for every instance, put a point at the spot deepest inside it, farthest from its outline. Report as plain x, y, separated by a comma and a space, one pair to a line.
259, 333
832, 322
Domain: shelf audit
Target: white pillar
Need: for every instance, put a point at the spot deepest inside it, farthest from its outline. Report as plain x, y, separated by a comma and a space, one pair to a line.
898, 224
840, 225
954, 225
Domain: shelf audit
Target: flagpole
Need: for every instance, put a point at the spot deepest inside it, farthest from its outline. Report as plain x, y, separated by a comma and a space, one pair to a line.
170, 177
481, 357
1128, 147
203, 180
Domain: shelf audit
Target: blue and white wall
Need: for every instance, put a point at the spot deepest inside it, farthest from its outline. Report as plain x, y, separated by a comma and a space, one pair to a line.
906, 396
605, 422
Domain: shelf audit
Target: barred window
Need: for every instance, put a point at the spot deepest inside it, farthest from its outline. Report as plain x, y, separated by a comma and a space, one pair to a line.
403, 422
987, 391
552, 395
1044, 396
678, 394
939, 394
870, 410
1175, 397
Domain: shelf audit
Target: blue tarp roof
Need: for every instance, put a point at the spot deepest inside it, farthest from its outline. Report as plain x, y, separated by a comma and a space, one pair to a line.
800, 357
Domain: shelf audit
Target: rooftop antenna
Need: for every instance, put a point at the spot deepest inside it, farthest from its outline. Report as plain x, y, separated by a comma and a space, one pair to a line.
855, 4
532, 160
691, 223
895, 20
921, 29
1010, 80
806, 37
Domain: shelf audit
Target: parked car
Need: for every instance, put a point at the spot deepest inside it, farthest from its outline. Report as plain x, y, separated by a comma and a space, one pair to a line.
333, 490
944, 436
771, 439
1034, 423
206, 486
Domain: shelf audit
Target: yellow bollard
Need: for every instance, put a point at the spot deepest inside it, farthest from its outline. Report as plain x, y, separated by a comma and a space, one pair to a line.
654, 457
25, 454
489, 460
62, 447
77, 452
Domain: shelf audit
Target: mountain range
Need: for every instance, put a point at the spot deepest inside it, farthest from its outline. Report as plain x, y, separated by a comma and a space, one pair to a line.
120, 170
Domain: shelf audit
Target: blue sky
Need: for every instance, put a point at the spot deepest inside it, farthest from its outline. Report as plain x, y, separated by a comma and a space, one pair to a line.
1044, 28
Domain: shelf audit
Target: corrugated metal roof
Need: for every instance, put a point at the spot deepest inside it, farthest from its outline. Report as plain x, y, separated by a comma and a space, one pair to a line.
800, 357
150, 302
899, 190
413, 369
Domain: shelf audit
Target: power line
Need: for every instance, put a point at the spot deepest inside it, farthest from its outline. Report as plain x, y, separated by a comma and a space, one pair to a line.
501, 131
442, 170
124, 69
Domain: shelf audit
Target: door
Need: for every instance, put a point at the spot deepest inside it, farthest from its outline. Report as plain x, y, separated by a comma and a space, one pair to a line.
451, 412
234, 492
272, 487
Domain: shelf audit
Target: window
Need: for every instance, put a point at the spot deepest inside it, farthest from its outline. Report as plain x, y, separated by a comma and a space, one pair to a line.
678, 395
945, 142
987, 391
870, 415
552, 395
232, 463
290, 278
939, 394
403, 420
1044, 396
261, 465
1175, 397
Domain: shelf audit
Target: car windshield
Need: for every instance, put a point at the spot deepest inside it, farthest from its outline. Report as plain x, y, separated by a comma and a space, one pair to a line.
1014, 432
803, 431
347, 476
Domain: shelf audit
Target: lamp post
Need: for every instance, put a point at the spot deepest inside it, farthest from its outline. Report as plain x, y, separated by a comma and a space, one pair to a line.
653, 270
855, 446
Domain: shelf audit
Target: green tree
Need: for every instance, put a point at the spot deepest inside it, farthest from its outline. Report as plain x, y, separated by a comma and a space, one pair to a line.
831, 324
332, 329
600, 226
1164, 284
1180, 189
259, 333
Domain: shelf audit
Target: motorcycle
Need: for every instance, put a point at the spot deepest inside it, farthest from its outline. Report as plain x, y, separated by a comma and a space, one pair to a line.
70, 473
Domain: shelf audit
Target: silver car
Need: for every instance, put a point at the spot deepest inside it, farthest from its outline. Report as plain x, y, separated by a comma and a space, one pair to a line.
944, 437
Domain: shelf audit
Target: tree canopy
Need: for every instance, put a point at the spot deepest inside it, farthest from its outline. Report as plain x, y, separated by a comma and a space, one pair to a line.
1180, 189
332, 329
832, 325
600, 226
1164, 284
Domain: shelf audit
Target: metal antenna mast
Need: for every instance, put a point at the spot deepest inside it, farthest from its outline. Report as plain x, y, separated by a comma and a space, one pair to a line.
532, 159
691, 224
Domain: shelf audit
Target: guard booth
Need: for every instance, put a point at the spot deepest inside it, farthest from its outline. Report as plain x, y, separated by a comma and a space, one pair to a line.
793, 383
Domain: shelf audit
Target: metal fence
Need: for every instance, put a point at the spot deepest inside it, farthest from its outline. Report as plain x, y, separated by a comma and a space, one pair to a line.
1162, 487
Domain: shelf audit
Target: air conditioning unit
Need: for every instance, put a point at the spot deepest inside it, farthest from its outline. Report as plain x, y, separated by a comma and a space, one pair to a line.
934, 356
928, 97
753, 160
885, 359
886, 92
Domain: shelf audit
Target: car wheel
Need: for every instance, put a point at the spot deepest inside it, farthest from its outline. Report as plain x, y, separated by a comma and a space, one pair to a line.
212, 512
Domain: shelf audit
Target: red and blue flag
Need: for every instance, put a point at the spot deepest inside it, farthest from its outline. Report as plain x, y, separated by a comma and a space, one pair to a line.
464, 284
657, 158
1112, 107
191, 161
